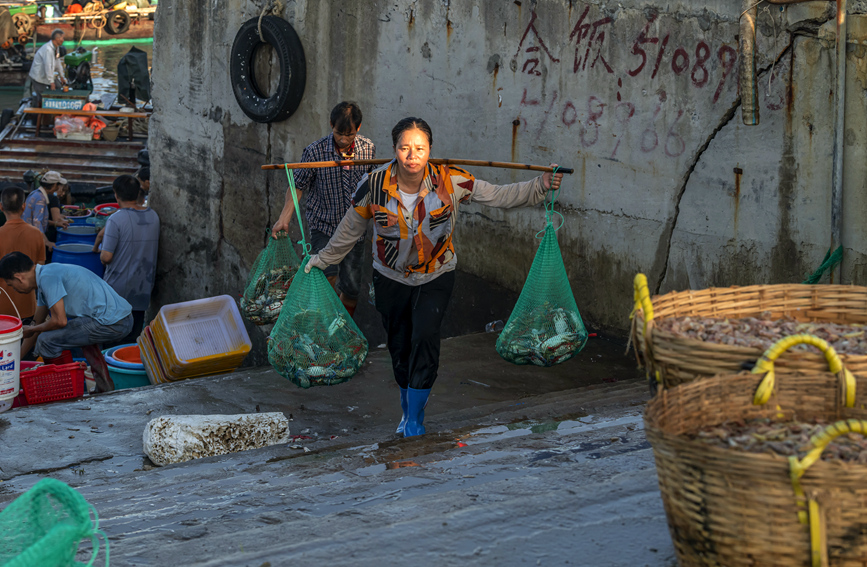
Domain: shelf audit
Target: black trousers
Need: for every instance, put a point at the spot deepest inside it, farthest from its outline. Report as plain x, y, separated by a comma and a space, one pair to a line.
412, 316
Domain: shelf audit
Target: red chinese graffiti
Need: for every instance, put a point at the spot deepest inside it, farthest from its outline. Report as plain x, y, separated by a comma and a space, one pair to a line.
591, 32
531, 64
652, 51
642, 39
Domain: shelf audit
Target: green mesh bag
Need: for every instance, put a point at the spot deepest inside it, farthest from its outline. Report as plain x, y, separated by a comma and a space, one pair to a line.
315, 342
45, 526
545, 327
270, 278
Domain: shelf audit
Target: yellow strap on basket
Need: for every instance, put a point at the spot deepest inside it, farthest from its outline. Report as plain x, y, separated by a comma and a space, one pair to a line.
765, 366
642, 299
808, 511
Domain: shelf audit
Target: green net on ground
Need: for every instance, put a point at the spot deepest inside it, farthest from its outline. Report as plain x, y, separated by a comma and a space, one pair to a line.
45, 526
545, 327
270, 278
315, 342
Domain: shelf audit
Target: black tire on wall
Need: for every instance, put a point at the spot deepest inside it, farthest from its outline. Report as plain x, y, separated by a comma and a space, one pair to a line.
293, 70
117, 22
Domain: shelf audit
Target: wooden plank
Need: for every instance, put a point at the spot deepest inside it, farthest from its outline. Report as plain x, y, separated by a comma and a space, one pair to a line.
57, 163
25, 153
73, 143
105, 113
82, 177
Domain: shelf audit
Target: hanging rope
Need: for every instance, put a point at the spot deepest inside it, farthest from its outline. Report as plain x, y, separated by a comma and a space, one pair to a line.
275, 7
303, 242
549, 209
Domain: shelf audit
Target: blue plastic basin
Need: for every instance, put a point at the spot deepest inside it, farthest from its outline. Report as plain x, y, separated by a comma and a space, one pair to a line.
112, 361
80, 255
125, 378
84, 233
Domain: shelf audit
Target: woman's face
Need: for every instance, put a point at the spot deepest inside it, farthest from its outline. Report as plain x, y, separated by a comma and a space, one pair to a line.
412, 151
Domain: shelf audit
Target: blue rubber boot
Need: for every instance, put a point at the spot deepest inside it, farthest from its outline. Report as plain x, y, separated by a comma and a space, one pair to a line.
402, 424
416, 400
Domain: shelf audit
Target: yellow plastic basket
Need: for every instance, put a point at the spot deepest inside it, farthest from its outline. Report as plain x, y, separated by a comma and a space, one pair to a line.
205, 336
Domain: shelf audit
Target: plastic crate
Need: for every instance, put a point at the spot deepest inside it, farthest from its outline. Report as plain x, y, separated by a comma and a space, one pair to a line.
53, 382
205, 336
153, 365
149, 359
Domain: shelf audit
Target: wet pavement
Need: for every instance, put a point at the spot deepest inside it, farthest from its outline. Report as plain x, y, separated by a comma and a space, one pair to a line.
520, 466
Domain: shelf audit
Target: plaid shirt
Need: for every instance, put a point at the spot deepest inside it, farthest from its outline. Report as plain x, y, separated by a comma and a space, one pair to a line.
329, 190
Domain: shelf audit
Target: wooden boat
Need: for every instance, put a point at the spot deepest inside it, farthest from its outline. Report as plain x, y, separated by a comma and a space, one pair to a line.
92, 26
86, 164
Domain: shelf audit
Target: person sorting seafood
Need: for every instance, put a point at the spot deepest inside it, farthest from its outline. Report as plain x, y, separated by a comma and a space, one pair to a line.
85, 312
329, 191
414, 205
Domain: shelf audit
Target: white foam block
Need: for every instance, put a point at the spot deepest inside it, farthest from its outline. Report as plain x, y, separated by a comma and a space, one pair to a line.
179, 438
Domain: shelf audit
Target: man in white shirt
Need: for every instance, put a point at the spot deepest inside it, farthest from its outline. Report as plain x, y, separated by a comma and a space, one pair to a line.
45, 65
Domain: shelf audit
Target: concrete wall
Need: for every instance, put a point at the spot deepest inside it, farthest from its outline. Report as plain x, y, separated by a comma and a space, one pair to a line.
640, 98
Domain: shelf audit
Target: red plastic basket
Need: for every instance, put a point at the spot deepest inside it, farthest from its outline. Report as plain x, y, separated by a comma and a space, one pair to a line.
53, 382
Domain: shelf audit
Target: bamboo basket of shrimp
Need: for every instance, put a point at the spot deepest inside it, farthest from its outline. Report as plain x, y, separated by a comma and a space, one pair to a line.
758, 469
684, 335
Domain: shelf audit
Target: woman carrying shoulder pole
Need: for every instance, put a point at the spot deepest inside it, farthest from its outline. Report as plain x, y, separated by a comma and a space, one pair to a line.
414, 206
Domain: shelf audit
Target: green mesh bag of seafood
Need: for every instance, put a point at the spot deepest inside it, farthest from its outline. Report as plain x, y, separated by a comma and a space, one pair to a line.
270, 279
545, 328
45, 526
315, 342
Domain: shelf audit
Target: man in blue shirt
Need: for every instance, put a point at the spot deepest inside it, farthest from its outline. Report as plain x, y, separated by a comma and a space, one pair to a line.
85, 311
129, 250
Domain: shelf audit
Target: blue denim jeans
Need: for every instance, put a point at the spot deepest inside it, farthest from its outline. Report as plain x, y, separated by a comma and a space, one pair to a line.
80, 332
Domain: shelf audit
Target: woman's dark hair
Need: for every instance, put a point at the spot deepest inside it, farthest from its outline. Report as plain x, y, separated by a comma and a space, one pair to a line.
346, 118
409, 124
126, 187
14, 263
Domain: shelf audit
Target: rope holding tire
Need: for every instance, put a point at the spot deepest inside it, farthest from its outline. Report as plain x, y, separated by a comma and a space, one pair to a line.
292, 64
276, 8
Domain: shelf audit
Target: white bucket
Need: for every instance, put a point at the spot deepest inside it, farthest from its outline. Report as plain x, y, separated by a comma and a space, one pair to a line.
11, 331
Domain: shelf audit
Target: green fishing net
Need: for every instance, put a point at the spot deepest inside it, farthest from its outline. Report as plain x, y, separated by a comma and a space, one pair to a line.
545, 327
315, 342
45, 526
270, 278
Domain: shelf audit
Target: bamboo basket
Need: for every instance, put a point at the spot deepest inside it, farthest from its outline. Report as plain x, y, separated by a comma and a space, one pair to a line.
672, 360
735, 509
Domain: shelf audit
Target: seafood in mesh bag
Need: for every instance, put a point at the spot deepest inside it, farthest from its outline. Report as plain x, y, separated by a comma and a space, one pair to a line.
547, 340
268, 294
783, 438
335, 357
763, 332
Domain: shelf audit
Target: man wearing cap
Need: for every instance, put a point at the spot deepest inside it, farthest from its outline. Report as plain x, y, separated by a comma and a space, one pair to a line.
43, 205
85, 312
